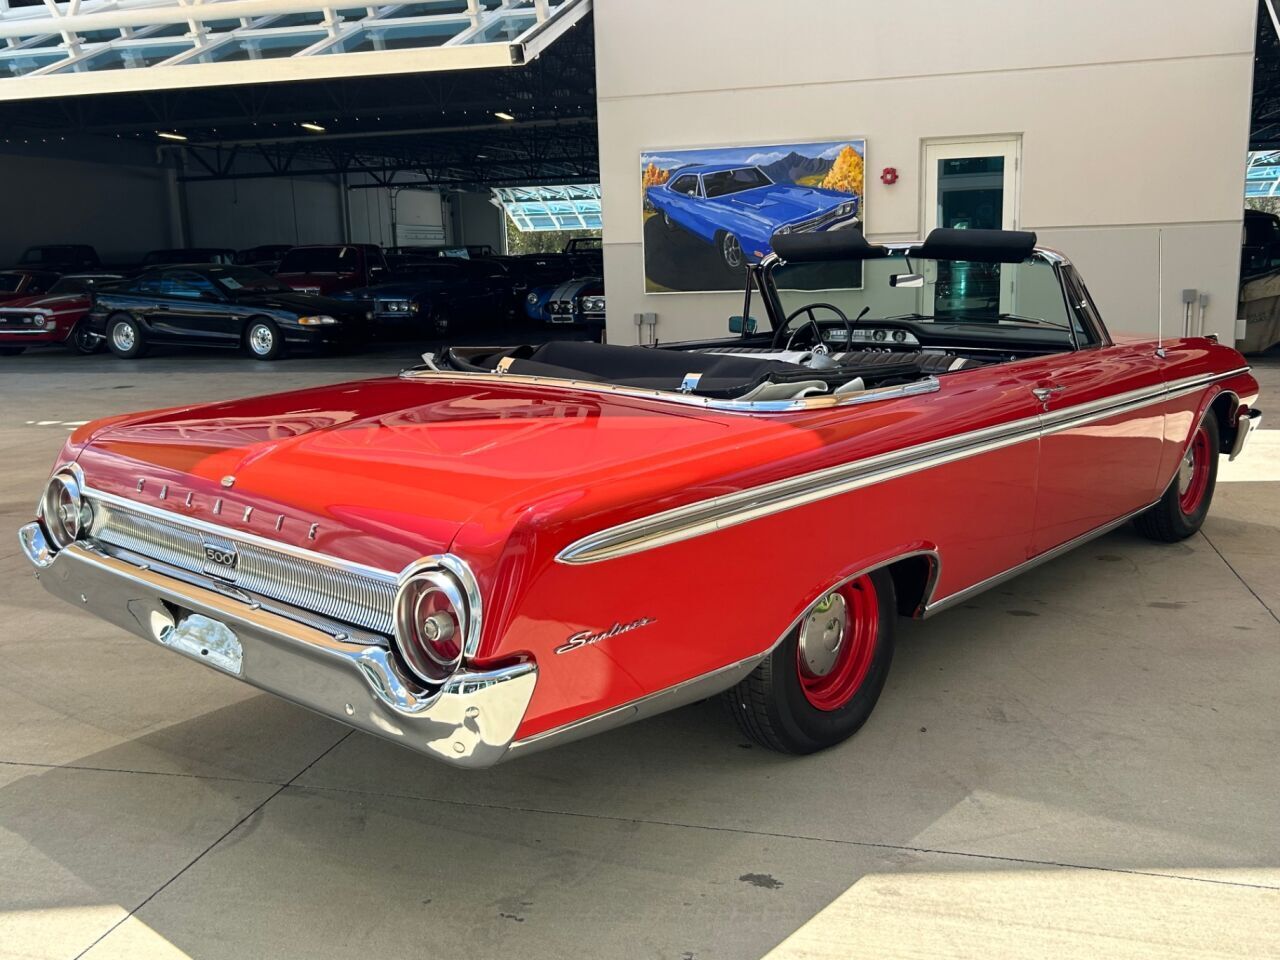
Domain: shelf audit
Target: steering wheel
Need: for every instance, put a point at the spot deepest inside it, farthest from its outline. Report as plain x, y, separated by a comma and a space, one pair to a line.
809, 308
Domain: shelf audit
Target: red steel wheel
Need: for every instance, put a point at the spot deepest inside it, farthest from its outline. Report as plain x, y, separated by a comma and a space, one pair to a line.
837, 644
1193, 472
821, 681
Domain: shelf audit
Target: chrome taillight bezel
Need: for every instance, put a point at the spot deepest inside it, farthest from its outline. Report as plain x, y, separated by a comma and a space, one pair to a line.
64, 513
451, 579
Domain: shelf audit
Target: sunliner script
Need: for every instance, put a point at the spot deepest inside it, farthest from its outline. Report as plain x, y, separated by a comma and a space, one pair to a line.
586, 637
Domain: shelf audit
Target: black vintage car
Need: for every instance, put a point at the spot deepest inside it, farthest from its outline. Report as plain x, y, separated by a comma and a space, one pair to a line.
221, 306
430, 298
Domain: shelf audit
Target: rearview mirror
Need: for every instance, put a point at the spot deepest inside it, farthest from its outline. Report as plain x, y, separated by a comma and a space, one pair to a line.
906, 280
739, 324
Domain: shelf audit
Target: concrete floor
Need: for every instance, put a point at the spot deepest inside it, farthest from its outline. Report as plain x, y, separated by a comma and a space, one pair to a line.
1081, 763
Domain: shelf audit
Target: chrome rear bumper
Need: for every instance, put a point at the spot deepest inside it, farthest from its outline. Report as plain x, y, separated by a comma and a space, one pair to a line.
470, 722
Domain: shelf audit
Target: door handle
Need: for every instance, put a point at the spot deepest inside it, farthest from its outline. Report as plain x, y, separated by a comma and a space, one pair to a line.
1044, 394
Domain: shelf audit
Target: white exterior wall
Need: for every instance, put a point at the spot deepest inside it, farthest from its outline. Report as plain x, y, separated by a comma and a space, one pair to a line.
1133, 117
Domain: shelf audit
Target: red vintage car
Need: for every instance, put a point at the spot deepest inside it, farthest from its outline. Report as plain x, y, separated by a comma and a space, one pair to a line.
510, 548
54, 316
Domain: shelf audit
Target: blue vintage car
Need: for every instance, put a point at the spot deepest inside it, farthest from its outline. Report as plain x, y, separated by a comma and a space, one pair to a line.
535, 303
577, 301
738, 208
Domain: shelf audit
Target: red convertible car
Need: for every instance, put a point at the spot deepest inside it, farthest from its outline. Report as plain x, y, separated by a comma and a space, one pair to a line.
509, 548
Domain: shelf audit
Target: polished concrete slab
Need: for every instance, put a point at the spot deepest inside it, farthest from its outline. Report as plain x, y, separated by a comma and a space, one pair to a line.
1081, 762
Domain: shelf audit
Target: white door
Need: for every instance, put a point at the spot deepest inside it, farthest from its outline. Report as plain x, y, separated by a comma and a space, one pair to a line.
971, 185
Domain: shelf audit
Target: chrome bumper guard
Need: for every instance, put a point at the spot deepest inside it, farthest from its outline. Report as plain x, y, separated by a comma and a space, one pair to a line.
1250, 420
469, 722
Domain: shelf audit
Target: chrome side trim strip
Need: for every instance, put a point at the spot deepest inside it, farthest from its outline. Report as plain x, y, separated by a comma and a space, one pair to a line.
822, 401
679, 695
718, 513
228, 533
1051, 554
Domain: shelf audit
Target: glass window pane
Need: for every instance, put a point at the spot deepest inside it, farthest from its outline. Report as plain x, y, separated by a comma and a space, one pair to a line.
127, 58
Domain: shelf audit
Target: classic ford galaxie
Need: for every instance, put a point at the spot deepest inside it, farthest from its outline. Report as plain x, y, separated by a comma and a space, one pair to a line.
508, 548
739, 208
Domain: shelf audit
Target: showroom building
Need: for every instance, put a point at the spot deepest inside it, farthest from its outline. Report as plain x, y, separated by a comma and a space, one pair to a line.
286, 121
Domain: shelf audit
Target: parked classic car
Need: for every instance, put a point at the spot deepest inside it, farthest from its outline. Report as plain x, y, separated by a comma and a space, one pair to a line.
265, 257
177, 255
61, 258
739, 208
221, 306
434, 297
329, 269
509, 548
56, 316
579, 301
20, 283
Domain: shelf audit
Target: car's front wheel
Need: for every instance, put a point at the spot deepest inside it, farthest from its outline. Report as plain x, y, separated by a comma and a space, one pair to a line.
1185, 504
820, 684
263, 340
125, 337
82, 340
731, 251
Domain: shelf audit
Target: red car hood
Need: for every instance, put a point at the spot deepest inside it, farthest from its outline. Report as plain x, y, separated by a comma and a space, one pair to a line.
390, 469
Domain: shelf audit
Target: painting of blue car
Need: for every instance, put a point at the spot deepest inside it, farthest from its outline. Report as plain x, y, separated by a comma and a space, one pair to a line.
711, 212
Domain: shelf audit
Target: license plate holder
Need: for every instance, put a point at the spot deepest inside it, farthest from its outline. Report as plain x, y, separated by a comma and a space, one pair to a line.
207, 640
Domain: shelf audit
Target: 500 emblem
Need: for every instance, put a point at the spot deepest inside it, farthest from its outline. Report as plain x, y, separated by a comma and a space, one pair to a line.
225, 558
588, 637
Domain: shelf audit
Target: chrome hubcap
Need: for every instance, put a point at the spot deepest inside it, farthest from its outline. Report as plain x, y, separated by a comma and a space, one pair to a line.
123, 336
822, 633
1186, 471
260, 340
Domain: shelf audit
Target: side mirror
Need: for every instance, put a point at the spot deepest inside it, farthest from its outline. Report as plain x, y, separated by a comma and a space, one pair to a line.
740, 324
906, 280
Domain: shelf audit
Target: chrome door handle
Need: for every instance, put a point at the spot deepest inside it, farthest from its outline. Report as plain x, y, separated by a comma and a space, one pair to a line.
1044, 394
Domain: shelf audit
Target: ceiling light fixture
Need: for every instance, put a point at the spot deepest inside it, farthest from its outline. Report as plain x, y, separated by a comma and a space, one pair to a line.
503, 116
314, 127
169, 136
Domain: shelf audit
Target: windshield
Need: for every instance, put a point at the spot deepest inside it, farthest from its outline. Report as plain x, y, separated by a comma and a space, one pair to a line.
233, 279
320, 260
10, 282
734, 181
996, 296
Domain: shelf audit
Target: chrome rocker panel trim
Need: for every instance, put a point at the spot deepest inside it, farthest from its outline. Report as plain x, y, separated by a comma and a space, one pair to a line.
469, 722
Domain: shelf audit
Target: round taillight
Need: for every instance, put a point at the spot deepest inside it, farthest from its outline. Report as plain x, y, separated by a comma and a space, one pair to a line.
66, 514
431, 624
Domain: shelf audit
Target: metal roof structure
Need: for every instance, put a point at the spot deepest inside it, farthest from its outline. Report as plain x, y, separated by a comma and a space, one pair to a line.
1264, 126
76, 47
529, 121
568, 207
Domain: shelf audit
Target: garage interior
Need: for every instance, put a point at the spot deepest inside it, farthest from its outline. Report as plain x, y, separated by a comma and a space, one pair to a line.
1017, 793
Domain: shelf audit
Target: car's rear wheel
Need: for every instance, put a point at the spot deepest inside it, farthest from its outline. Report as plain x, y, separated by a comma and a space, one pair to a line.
82, 340
1185, 504
820, 684
11, 351
125, 337
263, 341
